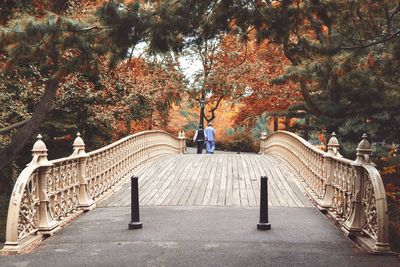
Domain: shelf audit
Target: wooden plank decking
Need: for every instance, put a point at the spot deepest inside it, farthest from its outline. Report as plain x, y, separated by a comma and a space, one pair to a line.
212, 180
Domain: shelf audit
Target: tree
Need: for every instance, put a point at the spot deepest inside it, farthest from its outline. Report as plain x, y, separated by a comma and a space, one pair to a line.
347, 62
150, 90
59, 46
247, 73
189, 27
54, 43
340, 59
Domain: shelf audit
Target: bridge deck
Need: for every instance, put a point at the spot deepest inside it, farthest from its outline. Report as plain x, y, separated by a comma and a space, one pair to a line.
203, 236
213, 180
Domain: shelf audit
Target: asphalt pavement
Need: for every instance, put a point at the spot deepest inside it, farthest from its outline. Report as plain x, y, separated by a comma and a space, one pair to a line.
199, 236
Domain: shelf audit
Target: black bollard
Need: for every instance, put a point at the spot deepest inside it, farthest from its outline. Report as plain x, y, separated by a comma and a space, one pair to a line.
264, 224
135, 221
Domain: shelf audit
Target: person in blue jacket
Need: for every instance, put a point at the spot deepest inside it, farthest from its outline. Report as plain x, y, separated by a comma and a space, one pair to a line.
210, 139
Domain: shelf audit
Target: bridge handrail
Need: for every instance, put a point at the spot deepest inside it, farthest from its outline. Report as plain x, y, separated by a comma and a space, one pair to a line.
48, 194
351, 191
124, 139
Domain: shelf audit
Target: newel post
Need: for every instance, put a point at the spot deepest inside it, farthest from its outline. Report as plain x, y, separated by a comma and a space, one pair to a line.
85, 201
47, 224
354, 222
262, 143
364, 151
333, 150
182, 142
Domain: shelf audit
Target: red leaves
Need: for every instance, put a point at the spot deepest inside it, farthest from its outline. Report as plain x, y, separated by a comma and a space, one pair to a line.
7, 65
247, 72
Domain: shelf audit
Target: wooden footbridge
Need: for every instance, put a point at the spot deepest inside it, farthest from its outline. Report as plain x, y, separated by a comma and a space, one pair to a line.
50, 194
213, 180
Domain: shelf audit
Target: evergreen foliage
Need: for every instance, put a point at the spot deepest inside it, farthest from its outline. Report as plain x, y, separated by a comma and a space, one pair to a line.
127, 25
350, 69
41, 50
345, 62
49, 48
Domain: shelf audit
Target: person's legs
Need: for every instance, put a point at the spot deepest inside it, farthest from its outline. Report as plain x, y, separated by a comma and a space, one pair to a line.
212, 146
208, 147
200, 147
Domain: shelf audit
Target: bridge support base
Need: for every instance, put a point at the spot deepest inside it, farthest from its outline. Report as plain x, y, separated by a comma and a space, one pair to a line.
135, 225
263, 226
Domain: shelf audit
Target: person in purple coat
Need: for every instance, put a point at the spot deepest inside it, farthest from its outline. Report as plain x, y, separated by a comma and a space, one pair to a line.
210, 139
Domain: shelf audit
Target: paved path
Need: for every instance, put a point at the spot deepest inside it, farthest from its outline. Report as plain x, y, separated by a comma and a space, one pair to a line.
199, 236
213, 180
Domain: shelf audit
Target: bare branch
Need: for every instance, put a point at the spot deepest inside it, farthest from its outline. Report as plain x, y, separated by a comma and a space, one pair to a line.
13, 126
372, 43
70, 30
213, 109
394, 11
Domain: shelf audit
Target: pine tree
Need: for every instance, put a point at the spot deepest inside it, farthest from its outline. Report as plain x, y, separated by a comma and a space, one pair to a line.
55, 45
346, 62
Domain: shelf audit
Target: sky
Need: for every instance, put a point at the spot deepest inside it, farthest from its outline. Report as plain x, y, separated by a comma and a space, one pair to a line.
189, 64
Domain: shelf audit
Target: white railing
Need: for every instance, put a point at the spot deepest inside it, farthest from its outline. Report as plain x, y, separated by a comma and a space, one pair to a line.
49, 194
351, 191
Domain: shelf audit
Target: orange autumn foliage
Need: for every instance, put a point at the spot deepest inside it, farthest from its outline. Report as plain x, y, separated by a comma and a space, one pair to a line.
224, 119
246, 71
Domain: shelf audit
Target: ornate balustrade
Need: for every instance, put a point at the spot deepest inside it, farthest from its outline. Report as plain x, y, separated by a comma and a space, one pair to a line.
49, 194
351, 191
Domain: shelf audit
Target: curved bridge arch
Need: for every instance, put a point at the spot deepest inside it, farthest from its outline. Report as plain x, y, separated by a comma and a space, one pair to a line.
49, 194
351, 191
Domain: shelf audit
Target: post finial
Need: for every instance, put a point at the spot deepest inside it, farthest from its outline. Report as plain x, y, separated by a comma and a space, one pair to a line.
364, 150
79, 146
333, 146
39, 145
263, 135
364, 145
39, 153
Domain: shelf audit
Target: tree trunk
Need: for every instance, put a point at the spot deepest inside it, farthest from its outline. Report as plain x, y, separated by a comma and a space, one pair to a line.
308, 99
307, 127
19, 140
213, 109
286, 123
276, 125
